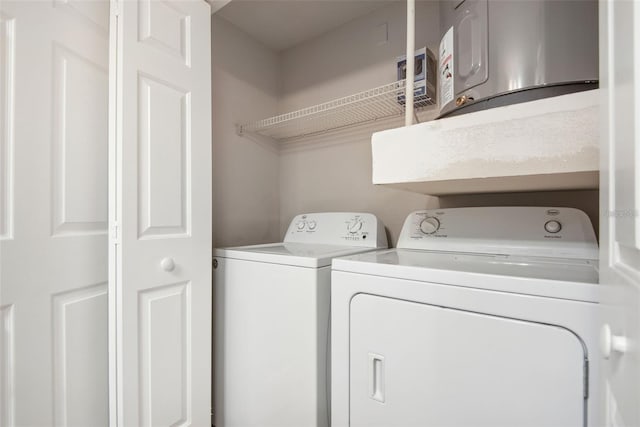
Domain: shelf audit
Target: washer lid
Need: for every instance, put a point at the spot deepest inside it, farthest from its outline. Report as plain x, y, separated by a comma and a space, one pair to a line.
294, 254
575, 279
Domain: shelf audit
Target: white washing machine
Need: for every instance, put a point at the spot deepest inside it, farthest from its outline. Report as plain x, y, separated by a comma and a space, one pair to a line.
482, 317
271, 315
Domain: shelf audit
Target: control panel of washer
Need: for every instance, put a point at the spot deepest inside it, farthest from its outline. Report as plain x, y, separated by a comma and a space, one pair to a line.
535, 231
337, 228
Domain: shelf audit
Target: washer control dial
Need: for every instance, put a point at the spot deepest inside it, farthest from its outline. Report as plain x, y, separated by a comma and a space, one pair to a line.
354, 226
312, 225
300, 225
430, 225
552, 226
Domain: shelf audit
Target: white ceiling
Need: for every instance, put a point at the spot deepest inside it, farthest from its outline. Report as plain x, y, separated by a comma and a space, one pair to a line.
281, 24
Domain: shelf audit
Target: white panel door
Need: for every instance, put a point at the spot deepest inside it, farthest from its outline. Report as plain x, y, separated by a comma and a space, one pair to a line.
620, 210
415, 364
161, 217
53, 213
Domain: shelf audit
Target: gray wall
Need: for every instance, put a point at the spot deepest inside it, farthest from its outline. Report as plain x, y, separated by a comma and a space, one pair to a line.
245, 173
334, 172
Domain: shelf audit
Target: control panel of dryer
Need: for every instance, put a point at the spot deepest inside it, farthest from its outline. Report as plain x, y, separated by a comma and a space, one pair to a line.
527, 231
337, 228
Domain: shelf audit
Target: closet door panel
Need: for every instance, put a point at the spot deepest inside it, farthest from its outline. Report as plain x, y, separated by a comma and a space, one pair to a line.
164, 147
161, 221
53, 213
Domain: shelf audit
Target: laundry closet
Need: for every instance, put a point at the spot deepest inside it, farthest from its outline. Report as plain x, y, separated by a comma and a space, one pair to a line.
265, 63
137, 136
543, 153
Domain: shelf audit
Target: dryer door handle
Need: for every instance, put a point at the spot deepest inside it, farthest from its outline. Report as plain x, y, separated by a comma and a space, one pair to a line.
376, 377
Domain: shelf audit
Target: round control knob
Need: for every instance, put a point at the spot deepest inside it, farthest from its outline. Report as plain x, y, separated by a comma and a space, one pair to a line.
429, 225
552, 226
300, 225
312, 225
354, 226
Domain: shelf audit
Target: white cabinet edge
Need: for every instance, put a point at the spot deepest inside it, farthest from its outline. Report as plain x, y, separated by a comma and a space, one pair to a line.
552, 136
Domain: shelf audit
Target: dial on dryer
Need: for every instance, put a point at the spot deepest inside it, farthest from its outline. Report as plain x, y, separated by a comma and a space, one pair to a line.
429, 225
552, 226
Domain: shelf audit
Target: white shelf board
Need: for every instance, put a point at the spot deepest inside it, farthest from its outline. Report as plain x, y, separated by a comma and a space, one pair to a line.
547, 144
367, 106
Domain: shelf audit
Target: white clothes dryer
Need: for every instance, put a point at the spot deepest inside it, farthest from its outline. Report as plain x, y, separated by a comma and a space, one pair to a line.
482, 317
271, 315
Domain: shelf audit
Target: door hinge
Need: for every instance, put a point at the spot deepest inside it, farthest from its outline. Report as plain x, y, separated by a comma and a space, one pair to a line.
115, 233
116, 8
585, 378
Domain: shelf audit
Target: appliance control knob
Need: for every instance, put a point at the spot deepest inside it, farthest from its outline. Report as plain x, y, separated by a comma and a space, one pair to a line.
354, 226
552, 226
312, 225
300, 225
430, 225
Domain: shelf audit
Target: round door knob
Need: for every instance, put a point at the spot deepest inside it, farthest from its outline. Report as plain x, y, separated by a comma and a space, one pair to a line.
429, 225
167, 264
610, 343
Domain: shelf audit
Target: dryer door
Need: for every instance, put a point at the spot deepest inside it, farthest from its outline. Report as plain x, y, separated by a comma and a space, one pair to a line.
415, 364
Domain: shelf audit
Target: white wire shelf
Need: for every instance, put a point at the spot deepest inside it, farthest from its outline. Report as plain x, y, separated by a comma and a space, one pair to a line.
370, 105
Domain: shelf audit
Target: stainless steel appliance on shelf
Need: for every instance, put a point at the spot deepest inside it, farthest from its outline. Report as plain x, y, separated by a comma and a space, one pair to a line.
495, 53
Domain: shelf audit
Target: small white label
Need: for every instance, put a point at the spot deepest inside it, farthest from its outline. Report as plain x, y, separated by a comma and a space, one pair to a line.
446, 68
